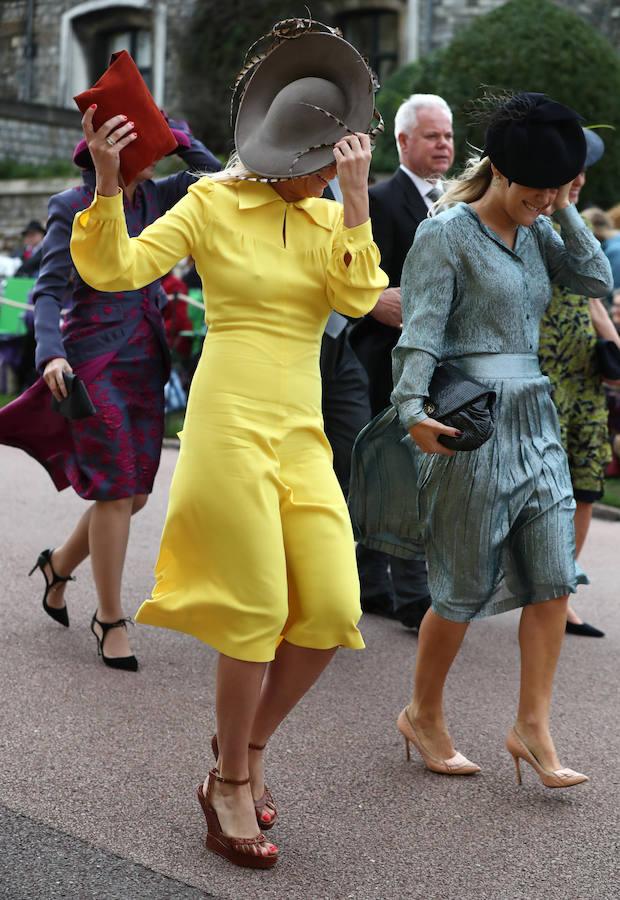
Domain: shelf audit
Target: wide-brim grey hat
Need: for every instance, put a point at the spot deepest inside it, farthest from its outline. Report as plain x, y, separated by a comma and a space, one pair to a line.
308, 91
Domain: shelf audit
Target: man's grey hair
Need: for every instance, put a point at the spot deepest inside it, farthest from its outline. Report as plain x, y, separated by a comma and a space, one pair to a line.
406, 117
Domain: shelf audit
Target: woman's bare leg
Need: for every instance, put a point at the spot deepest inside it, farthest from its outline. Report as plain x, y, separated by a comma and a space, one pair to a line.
439, 641
583, 518
108, 534
68, 557
290, 676
541, 633
237, 696
75, 550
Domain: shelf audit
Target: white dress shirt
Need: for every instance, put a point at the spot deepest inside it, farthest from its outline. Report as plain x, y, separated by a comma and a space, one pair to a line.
423, 186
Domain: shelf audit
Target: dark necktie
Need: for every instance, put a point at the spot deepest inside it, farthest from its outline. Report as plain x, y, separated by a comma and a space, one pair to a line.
434, 194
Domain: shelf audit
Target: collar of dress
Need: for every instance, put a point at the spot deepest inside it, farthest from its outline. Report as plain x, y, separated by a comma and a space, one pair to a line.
254, 194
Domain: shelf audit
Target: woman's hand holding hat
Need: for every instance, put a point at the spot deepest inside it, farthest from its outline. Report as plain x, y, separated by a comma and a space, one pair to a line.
352, 154
105, 145
562, 198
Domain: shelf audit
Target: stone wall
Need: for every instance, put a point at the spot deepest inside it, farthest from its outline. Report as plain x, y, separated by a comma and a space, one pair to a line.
32, 73
12, 43
23, 200
45, 65
31, 133
13, 50
178, 14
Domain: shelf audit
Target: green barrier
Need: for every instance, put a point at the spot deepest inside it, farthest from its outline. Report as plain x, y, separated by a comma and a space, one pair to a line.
12, 317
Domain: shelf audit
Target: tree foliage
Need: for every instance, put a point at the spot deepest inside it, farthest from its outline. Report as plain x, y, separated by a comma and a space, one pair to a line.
529, 45
212, 50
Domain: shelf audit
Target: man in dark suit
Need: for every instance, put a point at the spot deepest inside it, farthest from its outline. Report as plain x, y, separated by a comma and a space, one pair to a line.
345, 385
423, 132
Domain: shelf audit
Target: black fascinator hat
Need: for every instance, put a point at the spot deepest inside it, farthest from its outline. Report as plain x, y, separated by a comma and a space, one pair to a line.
535, 141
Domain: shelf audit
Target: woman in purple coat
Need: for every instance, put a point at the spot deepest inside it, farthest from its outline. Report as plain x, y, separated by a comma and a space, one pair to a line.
116, 343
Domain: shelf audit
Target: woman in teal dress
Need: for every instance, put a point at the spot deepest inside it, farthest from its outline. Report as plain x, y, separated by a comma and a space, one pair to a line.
498, 521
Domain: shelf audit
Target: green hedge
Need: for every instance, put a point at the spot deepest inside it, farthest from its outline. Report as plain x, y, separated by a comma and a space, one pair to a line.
56, 168
524, 45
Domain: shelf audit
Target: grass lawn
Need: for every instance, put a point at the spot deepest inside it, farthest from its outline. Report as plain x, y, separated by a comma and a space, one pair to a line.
6, 398
611, 497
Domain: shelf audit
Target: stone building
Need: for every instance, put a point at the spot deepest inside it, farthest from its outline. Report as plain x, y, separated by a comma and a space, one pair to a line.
52, 49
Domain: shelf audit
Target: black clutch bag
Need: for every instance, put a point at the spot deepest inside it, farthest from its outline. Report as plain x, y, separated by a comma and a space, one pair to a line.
608, 356
461, 402
77, 404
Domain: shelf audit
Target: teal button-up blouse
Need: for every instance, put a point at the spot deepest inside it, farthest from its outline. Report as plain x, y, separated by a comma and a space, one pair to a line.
464, 291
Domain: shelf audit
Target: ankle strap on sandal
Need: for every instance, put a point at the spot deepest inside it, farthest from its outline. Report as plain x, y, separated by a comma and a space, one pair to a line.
106, 626
45, 559
256, 746
217, 777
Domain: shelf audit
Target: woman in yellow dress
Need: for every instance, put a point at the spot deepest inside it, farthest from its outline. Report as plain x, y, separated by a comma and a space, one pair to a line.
257, 555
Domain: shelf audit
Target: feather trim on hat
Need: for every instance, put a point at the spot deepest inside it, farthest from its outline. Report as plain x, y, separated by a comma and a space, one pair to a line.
260, 50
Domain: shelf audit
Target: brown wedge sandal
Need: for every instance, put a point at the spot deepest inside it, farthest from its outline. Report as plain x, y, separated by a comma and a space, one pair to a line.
264, 805
240, 851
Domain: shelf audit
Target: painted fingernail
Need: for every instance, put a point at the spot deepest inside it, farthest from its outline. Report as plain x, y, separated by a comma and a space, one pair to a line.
93, 106
134, 135
131, 123
124, 117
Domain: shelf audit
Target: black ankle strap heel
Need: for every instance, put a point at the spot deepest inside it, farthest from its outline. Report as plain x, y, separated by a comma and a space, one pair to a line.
126, 663
45, 559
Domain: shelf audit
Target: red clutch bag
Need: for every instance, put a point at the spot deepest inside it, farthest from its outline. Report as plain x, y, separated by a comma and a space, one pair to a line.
121, 90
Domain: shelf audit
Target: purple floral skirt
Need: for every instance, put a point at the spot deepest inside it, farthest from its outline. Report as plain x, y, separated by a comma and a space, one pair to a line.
114, 453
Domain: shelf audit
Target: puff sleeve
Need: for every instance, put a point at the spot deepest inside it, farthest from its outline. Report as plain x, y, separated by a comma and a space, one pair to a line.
109, 260
353, 289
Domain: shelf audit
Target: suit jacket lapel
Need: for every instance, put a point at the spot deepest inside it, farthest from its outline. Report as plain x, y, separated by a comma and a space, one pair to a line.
413, 201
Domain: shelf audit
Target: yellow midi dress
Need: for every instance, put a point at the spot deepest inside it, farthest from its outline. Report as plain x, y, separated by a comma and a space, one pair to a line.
257, 543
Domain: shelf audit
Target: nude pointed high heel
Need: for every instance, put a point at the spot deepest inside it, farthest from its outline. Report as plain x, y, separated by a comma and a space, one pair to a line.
558, 778
456, 765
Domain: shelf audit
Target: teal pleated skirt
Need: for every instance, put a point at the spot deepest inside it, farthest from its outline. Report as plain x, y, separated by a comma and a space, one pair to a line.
497, 522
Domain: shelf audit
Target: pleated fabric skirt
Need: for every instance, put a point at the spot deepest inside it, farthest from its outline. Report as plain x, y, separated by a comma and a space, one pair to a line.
498, 521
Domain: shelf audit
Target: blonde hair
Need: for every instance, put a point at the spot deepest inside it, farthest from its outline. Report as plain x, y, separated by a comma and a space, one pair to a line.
470, 185
614, 215
234, 170
601, 223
